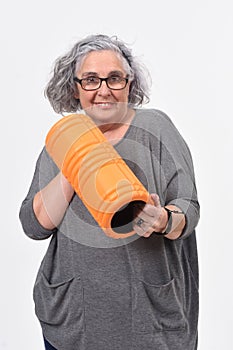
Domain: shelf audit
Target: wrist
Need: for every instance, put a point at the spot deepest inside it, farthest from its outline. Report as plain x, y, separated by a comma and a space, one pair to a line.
164, 220
169, 227
67, 189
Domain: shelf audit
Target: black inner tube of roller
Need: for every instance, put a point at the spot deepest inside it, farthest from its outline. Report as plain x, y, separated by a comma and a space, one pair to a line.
122, 220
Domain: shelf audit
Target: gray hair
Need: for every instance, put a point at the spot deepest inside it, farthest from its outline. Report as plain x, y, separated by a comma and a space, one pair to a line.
61, 88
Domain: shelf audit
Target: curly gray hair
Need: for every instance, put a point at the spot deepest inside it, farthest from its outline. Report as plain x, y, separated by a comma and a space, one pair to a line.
61, 88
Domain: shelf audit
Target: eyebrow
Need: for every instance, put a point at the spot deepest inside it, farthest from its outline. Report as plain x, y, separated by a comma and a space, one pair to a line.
86, 74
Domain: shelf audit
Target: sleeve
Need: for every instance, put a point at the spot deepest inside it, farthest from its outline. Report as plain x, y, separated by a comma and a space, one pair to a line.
179, 187
45, 171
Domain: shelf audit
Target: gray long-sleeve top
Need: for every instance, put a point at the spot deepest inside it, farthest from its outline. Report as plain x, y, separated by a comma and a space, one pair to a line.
94, 292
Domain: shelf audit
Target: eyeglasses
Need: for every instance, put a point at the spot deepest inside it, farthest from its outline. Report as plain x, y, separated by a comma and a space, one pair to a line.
94, 83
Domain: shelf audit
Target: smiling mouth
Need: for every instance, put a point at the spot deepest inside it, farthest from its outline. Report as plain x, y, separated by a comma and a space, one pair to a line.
104, 104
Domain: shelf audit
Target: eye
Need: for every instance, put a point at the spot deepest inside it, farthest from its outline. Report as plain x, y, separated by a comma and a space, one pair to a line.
91, 80
115, 79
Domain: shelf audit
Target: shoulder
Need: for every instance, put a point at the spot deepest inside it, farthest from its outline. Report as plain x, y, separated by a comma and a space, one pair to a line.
155, 120
45, 159
46, 169
157, 123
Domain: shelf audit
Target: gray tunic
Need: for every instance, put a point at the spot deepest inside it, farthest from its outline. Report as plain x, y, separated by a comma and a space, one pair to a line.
94, 292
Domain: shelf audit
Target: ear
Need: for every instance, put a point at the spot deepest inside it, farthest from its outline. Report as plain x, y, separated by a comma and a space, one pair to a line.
76, 95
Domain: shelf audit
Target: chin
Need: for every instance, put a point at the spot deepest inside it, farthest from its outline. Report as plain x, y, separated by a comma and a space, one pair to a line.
107, 115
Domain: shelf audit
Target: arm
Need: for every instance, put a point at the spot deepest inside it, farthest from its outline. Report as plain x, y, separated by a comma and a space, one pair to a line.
47, 200
155, 219
175, 181
51, 202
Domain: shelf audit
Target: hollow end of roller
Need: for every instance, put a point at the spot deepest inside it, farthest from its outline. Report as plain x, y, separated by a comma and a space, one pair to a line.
122, 220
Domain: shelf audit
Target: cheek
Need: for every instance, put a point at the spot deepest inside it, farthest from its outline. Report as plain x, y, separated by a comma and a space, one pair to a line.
85, 98
122, 95
127, 92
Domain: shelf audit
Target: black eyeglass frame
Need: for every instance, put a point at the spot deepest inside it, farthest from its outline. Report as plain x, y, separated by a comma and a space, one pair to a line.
77, 80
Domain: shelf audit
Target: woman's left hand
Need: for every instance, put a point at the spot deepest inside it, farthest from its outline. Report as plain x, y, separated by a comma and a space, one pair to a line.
152, 217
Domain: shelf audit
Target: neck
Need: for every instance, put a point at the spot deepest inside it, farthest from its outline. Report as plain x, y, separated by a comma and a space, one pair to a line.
124, 122
114, 132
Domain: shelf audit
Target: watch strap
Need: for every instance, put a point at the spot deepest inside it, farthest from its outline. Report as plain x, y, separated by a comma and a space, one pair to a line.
169, 221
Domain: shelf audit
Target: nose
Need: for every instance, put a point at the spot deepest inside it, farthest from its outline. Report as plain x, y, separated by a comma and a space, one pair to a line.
104, 90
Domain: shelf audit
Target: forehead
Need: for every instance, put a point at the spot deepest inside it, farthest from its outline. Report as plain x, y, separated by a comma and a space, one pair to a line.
101, 62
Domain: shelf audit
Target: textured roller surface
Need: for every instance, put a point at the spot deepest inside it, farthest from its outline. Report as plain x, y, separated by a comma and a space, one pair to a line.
99, 176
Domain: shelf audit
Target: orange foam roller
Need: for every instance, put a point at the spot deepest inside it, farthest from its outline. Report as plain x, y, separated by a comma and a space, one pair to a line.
100, 177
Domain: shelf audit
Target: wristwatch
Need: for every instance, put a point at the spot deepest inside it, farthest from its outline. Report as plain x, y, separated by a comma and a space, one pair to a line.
169, 221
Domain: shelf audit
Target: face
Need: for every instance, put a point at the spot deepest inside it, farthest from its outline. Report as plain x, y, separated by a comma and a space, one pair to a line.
103, 105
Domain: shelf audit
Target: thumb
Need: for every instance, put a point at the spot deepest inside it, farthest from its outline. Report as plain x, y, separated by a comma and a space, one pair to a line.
155, 200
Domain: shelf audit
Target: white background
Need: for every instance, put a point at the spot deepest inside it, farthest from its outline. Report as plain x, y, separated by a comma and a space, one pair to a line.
187, 46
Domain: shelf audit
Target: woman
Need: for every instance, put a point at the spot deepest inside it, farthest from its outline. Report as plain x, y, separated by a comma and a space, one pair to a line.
140, 292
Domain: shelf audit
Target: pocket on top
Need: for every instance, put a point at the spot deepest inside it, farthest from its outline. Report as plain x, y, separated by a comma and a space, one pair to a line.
59, 303
157, 307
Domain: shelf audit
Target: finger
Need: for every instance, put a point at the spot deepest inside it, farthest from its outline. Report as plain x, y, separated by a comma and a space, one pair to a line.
148, 233
139, 230
143, 233
143, 228
145, 217
145, 221
150, 211
140, 224
155, 199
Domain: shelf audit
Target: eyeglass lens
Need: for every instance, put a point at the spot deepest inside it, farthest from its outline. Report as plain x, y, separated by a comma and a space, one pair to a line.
113, 82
